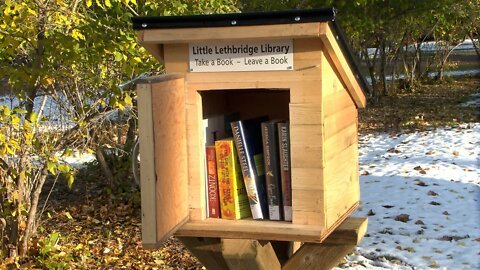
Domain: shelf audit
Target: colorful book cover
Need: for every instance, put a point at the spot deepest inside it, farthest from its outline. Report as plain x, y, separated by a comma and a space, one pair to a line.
212, 183
248, 141
272, 169
284, 146
233, 196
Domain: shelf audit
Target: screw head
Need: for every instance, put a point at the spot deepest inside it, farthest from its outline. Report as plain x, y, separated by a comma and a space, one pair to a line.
297, 19
144, 25
233, 22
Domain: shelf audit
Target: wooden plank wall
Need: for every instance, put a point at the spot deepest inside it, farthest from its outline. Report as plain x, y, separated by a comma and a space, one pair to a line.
340, 147
306, 135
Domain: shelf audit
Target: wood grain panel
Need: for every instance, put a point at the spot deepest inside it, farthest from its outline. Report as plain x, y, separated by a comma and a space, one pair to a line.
168, 106
306, 114
298, 30
147, 170
342, 119
340, 141
176, 58
341, 65
335, 102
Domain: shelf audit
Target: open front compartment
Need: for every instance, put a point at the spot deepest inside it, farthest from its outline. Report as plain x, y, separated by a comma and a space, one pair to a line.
249, 103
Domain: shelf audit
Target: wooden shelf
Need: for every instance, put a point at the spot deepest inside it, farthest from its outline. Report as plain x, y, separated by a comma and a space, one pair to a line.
252, 229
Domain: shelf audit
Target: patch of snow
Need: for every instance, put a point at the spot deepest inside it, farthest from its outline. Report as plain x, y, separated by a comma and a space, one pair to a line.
79, 160
473, 102
434, 178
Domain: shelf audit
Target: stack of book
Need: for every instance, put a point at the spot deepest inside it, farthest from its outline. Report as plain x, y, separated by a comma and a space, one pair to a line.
248, 172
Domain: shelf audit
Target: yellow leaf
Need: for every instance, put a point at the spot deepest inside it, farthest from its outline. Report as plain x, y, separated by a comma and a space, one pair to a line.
67, 214
107, 3
50, 81
128, 100
89, 3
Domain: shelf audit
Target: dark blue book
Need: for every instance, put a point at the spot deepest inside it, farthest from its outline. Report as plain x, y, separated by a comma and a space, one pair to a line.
247, 135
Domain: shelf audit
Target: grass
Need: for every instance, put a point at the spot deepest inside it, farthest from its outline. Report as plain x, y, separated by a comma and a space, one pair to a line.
430, 106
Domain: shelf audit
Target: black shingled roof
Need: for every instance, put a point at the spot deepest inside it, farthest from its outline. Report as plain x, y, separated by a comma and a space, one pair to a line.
257, 18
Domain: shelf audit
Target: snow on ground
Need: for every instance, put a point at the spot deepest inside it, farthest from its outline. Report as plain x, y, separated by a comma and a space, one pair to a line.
434, 178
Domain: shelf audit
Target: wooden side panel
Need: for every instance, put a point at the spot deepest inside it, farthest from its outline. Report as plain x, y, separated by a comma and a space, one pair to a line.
342, 119
343, 189
336, 101
168, 106
147, 170
340, 146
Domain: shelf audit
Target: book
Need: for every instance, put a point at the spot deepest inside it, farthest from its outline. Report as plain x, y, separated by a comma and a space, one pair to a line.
218, 127
285, 171
232, 194
248, 141
215, 127
272, 169
212, 183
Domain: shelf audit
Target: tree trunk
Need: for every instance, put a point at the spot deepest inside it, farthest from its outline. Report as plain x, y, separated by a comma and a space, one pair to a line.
475, 46
372, 72
31, 226
104, 166
383, 64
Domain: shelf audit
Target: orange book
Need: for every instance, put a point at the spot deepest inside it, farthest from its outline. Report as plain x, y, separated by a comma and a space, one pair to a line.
233, 196
212, 183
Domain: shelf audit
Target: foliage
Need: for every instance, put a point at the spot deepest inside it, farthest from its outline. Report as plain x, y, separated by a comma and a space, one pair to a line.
26, 157
389, 35
74, 53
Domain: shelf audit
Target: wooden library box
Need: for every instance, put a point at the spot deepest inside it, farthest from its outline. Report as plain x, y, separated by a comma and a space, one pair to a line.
294, 65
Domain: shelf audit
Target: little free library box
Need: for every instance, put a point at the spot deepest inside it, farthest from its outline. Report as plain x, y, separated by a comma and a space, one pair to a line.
291, 65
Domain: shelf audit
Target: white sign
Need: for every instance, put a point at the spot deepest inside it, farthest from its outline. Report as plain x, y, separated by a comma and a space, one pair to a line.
241, 56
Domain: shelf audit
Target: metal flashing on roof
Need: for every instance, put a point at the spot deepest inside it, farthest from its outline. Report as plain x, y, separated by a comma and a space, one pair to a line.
234, 19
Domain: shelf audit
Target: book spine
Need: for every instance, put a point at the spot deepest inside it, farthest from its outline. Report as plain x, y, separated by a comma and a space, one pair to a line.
232, 194
284, 146
248, 164
212, 183
272, 169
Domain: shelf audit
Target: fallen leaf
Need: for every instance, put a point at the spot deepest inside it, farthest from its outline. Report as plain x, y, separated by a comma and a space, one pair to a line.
388, 206
419, 222
394, 150
446, 213
456, 153
435, 203
420, 183
371, 213
364, 172
432, 193
403, 218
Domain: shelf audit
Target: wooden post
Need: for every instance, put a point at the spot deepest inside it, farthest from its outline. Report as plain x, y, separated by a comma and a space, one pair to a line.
207, 250
317, 257
249, 254
238, 254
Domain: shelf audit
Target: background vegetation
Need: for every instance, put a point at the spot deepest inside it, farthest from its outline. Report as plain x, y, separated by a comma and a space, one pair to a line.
76, 53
